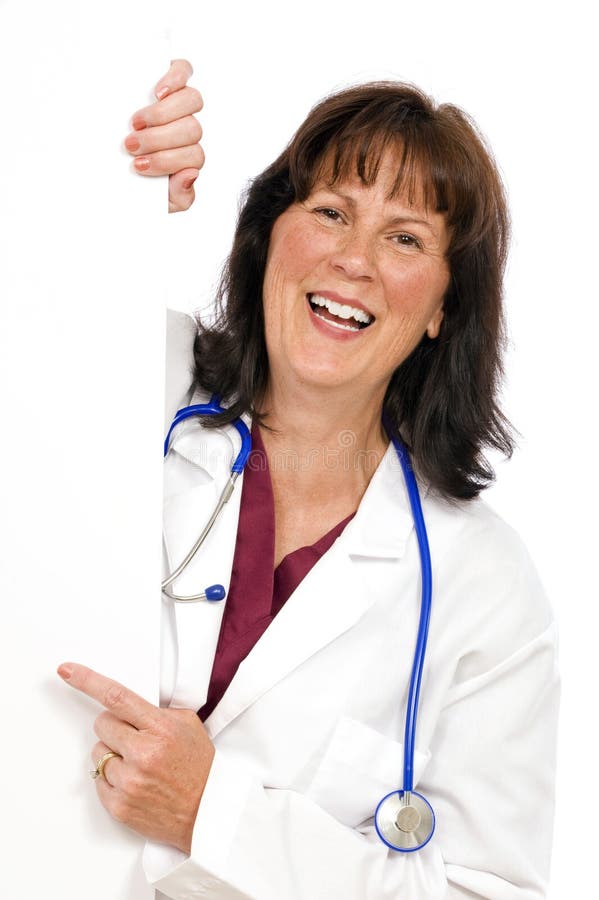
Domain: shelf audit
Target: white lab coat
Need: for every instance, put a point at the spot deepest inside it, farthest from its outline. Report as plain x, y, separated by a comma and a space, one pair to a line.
309, 734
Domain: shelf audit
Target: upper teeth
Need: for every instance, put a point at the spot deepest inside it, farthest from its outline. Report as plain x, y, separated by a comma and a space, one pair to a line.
341, 309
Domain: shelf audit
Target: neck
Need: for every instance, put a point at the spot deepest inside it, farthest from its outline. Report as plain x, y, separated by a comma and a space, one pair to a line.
337, 430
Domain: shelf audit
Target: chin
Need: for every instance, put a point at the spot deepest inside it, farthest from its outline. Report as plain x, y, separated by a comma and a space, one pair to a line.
313, 367
325, 375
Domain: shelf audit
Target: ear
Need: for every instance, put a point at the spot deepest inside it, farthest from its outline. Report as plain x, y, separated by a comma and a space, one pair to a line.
434, 326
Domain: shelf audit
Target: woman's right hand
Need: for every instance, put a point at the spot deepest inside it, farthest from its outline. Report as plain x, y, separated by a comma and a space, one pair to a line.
166, 134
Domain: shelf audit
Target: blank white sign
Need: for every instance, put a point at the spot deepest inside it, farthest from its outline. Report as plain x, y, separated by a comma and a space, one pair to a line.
82, 359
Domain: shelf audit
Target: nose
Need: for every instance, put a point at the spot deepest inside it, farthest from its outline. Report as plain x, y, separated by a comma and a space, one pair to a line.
353, 255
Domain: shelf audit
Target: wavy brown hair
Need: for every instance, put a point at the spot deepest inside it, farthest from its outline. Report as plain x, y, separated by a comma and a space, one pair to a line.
443, 397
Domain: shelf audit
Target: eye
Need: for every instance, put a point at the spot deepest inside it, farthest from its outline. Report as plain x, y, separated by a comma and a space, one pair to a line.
328, 213
404, 239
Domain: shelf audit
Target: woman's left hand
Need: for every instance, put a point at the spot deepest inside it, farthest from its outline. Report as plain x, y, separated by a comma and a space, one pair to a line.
156, 786
165, 137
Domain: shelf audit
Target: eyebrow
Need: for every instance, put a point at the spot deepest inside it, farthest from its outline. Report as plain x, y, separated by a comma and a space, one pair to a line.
396, 220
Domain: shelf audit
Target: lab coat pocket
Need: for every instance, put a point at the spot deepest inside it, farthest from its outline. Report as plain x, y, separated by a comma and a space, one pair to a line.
359, 767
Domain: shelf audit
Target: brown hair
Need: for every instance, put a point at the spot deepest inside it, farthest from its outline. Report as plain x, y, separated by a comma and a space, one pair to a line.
443, 398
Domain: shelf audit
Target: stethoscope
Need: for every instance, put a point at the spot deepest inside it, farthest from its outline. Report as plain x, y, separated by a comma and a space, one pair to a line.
404, 819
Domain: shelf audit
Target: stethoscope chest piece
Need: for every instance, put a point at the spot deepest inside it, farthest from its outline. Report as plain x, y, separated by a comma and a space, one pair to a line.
404, 821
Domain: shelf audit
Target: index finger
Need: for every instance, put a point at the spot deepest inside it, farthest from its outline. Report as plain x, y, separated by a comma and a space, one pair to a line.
177, 77
121, 702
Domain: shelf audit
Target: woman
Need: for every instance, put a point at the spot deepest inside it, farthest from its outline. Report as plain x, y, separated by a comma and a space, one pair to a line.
361, 303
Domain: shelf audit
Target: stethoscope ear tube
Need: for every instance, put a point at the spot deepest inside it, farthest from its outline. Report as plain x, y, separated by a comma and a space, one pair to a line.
222, 500
214, 592
213, 408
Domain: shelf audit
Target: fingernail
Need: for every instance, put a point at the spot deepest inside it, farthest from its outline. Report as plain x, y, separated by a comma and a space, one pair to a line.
142, 163
138, 123
162, 92
187, 185
65, 671
131, 143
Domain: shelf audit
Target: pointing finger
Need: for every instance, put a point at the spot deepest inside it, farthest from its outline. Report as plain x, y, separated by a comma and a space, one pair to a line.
117, 699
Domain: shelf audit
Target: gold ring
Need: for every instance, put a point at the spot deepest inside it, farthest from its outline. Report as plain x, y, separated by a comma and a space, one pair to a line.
98, 772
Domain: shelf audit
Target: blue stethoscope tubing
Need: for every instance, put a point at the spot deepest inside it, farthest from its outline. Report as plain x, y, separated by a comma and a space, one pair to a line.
213, 408
404, 820
214, 592
390, 806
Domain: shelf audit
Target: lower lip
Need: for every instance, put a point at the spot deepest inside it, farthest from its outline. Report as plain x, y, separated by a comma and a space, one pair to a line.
338, 334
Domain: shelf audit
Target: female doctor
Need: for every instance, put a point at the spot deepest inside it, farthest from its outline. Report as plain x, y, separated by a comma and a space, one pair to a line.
360, 308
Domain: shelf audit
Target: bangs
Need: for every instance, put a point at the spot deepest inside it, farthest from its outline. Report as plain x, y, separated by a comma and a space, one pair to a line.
350, 157
432, 148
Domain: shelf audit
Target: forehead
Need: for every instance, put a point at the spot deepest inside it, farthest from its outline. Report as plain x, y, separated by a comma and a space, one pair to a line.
390, 166
393, 198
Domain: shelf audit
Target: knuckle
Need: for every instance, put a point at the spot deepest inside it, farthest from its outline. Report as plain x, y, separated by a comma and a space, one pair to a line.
131, 784
148, 759
189, 717
182, 68
113, 696
195, 98
193, 158
193, 130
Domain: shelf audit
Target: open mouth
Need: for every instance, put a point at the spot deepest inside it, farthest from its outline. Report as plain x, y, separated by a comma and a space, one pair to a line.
340, 315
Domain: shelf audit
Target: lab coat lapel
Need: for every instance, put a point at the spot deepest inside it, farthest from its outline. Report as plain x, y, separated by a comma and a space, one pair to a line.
335, 594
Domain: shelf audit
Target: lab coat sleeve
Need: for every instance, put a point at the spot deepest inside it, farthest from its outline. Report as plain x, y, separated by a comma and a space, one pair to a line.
494, 749
490, 782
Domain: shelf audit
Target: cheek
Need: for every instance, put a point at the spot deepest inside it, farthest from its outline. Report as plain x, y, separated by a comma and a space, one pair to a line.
292, 253
418, 293
274, 284
417, 301
286, 266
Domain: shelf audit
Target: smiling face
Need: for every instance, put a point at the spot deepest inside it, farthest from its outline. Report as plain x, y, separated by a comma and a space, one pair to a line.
354, 279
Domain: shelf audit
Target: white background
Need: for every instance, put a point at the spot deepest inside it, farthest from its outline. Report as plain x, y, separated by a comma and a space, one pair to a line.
524, 72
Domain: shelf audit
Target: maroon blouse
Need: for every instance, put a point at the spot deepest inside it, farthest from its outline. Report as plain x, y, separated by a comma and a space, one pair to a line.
257, 591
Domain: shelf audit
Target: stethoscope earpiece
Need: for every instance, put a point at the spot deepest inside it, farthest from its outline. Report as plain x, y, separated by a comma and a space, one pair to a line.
214, 592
